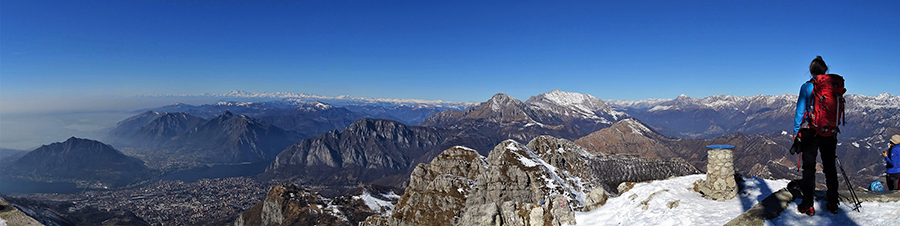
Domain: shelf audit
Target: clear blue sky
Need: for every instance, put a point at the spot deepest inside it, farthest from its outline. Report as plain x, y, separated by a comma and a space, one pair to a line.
447, 50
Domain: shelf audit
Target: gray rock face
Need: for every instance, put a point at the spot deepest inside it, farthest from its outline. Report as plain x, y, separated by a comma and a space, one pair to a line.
540, 183
363, 152
561, 214
437, 191
290, 205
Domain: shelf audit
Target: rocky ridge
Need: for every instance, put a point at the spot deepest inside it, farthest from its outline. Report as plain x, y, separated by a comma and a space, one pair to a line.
289, 204
557, 113
540, 183
365, 151
232, 138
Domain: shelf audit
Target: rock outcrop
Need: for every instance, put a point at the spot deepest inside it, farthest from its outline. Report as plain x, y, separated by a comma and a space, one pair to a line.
290, 205
540, 183
12, 216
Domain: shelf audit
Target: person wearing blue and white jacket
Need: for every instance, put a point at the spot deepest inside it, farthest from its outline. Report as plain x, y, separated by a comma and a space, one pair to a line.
811, 144
892, 158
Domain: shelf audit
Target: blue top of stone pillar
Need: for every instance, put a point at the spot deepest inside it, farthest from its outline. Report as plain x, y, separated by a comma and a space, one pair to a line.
720, 146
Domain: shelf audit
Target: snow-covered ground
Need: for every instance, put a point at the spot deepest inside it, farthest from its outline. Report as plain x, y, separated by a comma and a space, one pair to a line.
648, 204
376, 204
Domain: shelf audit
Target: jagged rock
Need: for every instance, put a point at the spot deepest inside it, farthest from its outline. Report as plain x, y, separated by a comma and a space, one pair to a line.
437, 191
487, 214
13, 216
537, 216
595, 199
510, 212
561, 211
290, 205
461, 187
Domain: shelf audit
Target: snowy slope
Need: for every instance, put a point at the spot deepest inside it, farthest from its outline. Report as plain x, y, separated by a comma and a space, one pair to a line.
692, 209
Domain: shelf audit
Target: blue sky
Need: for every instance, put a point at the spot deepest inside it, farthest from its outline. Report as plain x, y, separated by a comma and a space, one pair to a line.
447, 50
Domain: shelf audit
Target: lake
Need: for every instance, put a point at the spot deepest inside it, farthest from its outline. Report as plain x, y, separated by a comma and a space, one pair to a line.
19, 186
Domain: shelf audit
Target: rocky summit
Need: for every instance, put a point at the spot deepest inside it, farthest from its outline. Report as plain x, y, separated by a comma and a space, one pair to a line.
540, 183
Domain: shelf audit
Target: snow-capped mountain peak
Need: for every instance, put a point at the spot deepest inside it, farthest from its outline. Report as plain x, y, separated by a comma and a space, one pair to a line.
583, 102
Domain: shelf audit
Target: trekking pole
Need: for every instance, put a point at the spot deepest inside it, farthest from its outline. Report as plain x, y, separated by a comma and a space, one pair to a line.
856, 203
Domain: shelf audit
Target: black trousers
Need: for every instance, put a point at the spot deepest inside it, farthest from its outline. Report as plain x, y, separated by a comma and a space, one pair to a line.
892, 181
811, 146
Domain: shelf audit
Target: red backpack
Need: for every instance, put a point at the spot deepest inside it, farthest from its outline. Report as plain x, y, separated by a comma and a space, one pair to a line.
827, 104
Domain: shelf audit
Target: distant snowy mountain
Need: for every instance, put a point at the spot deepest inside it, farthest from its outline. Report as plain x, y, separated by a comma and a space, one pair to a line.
310, 118
338, 100
720, 115
557, 113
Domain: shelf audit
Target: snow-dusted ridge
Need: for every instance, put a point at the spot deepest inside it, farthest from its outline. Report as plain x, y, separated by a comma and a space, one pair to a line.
854, 102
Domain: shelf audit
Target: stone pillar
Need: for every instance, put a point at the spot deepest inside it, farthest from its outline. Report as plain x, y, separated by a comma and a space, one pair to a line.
719, 183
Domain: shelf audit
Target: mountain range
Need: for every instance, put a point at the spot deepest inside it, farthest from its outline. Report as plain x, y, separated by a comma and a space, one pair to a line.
721, 115
338, 100
760, 155
438, 152
385, 151
557, 113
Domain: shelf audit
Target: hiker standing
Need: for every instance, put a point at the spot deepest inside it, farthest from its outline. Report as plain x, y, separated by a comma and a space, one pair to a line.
819, 107
892, 156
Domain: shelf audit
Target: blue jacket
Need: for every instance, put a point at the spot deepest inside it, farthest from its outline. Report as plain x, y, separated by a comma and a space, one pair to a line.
893, 160
802, 104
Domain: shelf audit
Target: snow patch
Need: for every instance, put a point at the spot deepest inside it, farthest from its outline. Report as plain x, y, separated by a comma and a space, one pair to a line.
527, 162
512, 146
375, 204
534, 123
660, 108
637, 128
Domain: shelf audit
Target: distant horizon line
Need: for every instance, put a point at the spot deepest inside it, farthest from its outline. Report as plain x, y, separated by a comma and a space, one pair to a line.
283, 95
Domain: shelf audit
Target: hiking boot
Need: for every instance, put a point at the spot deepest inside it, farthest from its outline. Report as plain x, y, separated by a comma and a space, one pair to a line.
832, 206
806, 210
